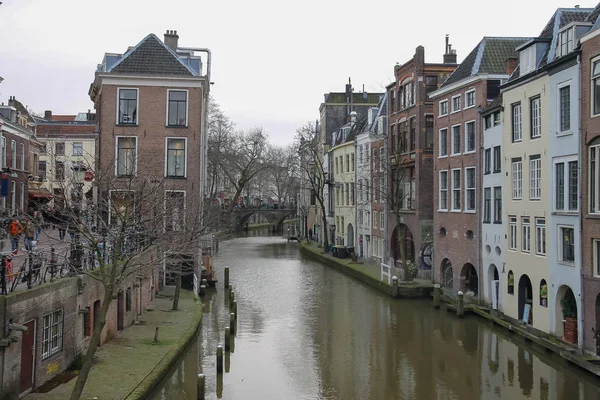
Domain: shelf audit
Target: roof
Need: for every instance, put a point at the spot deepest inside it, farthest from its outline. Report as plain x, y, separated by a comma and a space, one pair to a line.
357, 98
488, 57
593, 17
151, 56
493, 105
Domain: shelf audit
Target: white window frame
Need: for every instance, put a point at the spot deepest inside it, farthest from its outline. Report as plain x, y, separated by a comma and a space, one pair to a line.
561, 244
535, 116
22, 163
456, 189
167, 212
442, 190
13, 154
594, 178
596, 257
517, 179
137, 106
513, 233
22, 196
185, 156
187, 108
487, 205
13, 195
467, 93
49, 321
440, 108
4, 159
593, 113
540, 232
381, 221
459, 138
375, 219
566, 41
80, 147
467, 151
470, 190
559, 88
459, 98
535, 178
526, 234
566, 180
516, 120
497, 215
440, 143
117, 155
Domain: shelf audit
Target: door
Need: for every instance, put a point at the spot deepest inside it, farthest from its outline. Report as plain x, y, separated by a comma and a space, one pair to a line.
27, 357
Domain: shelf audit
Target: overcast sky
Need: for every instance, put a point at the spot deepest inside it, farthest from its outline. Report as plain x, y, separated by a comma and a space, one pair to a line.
272, 60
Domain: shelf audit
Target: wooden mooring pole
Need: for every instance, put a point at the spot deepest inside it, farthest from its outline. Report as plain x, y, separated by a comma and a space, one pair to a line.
219, 359
226, 277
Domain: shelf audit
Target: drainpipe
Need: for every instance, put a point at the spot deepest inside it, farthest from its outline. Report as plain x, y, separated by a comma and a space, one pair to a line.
580, 332
204, 118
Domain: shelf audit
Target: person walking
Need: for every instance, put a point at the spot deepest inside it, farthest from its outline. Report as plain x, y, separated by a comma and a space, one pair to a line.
29, 231
14, 230
38, 219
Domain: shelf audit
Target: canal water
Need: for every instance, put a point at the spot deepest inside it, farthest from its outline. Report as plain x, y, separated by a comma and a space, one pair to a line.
306, 331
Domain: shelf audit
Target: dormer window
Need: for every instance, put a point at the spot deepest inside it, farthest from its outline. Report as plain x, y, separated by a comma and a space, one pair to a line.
527, 59
565, 42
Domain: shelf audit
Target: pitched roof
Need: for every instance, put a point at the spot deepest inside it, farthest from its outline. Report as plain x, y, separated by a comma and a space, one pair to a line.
151, 56
594, 17
488, 57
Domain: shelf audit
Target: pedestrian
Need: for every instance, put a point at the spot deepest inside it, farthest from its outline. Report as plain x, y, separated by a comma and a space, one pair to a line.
62, 225
310, 234
38, 223
29, 231
14, 230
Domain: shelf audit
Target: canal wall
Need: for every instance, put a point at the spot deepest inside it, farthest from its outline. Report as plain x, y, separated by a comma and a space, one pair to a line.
366, 274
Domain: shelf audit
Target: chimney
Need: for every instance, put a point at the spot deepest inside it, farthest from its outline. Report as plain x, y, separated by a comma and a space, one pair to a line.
171, 39
449, 55
511, 64
48, 115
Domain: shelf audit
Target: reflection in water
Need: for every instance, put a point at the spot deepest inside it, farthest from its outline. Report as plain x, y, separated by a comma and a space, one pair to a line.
306, 331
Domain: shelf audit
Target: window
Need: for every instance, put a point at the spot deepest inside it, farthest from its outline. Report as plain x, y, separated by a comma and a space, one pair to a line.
497, 160
59, 148
517, 134
126, 155
177, 107
77, 148
4, 151
352, 162
565, 108
470, 189
59, 171
540, 236
567, 248
347, 194
174, 210
596, 87
536, 117
456, 103
128, 104
22, 196
176, 161
511, 283
526, 235
337, 195
347, 163
360, 190
535, 177
430, 83
444, 108
565, 45
443, 191
42, 170
412, 134
527, 59
497, 205
443, 142
22, 155
456, 139
381, 221
456, 190
375, 219
512, 242
13, 195
360, 151
596, 256
470, 99
52, 333
382, 189
336, 166
517, 179
470, 136
13, 154
352, 199
487, 204
367, 189
497, 118
487, 168
429, 131
566, 184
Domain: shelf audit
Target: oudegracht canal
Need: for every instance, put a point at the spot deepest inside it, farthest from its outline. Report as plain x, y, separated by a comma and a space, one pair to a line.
306, 331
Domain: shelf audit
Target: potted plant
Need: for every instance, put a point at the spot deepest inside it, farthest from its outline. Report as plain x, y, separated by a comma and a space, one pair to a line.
569, 309
544, 295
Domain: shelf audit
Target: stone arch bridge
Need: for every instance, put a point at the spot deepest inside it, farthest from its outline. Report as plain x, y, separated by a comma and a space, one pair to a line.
239, 217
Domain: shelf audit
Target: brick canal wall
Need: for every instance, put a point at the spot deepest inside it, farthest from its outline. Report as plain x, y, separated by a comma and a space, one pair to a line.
75, 298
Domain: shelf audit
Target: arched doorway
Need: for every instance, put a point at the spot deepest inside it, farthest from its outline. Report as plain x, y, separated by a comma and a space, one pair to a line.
494, 286
525, 299
350, 236
406, 238
566, 315
447, 274
469, 280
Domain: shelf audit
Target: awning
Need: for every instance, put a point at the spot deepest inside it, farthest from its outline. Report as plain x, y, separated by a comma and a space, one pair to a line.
40, 194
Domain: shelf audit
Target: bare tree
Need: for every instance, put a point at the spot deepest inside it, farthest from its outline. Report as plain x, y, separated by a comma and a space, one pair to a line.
130, 228
312, 167
282, 173
221, 133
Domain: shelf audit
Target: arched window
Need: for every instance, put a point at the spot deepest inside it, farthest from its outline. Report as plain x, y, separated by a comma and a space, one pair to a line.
511, 283
543, 293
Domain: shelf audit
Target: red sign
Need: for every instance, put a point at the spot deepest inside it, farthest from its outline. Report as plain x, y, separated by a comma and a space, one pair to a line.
89, 176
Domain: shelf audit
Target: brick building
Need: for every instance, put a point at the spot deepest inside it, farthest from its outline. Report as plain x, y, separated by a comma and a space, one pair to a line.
458, 155
590, 179
411, 121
